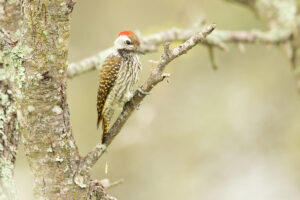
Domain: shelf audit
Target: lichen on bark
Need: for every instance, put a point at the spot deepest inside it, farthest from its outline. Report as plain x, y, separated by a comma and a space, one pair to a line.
43, 111
9, 129
33, 92
9, 138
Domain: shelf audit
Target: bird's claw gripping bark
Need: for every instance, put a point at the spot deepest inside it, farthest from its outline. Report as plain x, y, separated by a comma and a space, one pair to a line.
138, 106
141, 91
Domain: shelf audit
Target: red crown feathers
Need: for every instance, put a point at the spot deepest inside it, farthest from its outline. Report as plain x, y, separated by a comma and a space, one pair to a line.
127, 33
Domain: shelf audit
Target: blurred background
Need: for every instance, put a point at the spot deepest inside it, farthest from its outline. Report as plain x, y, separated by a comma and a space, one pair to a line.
229, 134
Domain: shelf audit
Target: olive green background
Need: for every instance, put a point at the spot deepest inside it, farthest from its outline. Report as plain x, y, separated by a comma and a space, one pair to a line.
229, 134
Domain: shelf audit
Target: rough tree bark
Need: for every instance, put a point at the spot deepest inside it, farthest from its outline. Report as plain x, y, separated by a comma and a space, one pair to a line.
41, 100
9, 133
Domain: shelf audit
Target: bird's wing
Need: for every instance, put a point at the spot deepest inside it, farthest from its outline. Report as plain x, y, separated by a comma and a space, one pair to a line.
107, 77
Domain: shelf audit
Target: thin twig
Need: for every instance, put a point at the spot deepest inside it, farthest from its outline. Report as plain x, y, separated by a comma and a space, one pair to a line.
212, 58
107, 184
97, 191
274, 37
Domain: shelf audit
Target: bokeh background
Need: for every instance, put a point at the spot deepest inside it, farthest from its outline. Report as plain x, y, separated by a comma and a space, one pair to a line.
229, 134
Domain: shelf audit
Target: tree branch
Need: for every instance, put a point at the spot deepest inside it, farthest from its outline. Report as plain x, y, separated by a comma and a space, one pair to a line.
245, 2
283, 20
87, 64
255, 36
149, 44
155, 77
216, 40
97, 191
107, 184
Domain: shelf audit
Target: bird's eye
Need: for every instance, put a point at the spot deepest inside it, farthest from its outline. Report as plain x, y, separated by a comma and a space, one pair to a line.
128, 42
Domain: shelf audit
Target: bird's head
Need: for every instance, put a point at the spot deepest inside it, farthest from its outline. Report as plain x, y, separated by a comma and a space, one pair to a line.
128, 41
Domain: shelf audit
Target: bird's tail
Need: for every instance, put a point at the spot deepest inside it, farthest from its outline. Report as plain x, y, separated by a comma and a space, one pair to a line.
105, 128
98, 122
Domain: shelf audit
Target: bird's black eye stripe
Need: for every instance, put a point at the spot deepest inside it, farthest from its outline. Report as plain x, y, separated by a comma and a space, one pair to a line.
128, 42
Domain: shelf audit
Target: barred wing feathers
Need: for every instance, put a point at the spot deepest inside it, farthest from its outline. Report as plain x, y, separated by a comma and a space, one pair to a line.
107, 78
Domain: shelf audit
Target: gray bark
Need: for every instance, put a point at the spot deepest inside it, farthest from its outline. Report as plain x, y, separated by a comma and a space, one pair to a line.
9, 133
33, 86
41, 100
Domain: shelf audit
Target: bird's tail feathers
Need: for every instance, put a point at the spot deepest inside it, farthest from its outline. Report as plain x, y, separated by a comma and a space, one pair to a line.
105, 129
99, 119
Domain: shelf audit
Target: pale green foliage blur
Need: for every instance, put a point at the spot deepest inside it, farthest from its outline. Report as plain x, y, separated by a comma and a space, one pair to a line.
230, 134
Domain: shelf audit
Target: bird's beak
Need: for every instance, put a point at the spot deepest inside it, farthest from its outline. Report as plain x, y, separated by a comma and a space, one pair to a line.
140, 51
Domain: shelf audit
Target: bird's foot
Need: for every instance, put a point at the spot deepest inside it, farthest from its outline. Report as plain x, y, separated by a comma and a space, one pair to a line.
143, 92
138, 106
128, 96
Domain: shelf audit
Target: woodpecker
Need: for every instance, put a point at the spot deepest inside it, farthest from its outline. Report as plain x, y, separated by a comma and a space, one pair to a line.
117, 77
